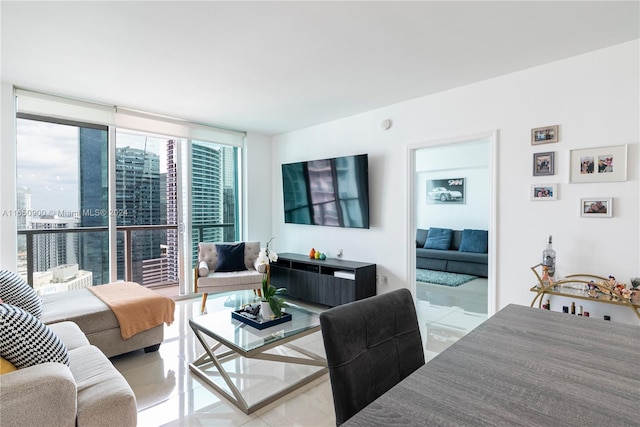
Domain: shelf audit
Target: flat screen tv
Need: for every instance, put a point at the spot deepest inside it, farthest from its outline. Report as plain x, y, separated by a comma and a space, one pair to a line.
332, 192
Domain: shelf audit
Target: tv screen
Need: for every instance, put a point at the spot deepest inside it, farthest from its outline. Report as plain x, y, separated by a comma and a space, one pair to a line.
332, 192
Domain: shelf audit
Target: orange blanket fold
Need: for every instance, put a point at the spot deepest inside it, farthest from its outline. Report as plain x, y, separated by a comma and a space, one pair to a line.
136, 307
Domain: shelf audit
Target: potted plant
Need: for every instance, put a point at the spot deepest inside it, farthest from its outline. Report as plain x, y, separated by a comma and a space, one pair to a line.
271, 304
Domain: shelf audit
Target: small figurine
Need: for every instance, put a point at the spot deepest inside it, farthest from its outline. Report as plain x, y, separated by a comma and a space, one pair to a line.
546, 280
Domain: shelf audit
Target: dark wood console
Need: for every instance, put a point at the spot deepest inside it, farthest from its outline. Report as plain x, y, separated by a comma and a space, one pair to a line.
328, 282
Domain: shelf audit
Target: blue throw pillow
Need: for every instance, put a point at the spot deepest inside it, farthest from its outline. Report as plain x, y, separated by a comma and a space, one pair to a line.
476, 241
230, 257
439, 238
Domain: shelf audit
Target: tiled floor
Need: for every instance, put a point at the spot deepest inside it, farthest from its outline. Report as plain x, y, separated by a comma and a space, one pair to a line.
447, 313
169, 394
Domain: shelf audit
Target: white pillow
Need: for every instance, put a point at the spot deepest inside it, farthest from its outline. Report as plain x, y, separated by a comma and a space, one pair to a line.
203, 269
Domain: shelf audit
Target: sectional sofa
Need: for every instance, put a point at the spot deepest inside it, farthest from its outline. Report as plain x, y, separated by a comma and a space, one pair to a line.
454, 251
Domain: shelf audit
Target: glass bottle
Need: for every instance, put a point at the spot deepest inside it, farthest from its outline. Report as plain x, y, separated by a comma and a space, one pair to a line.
549, 257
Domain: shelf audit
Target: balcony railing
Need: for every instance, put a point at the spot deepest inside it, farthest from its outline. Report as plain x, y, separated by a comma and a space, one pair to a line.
146, 254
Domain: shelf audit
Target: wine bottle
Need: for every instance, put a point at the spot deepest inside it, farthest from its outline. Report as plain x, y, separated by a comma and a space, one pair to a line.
549, 257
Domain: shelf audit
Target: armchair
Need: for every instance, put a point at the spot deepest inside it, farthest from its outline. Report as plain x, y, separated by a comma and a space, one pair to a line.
226, 267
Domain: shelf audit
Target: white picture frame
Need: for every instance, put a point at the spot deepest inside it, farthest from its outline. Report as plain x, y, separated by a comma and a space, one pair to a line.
601, 164
596, 207
544, 192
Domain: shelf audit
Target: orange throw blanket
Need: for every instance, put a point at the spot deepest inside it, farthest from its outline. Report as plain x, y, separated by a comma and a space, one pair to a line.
136, 307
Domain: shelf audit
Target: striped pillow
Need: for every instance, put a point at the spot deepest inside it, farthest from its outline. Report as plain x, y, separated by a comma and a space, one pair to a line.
25, 341
15, 291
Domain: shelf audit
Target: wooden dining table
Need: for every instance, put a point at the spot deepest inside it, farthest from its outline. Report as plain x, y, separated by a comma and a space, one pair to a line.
522, 367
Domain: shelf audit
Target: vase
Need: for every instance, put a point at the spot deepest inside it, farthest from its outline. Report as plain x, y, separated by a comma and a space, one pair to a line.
265, 310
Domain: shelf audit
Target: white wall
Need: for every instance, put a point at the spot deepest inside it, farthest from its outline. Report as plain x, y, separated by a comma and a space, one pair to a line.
257, 188
595, 100
468, 160
8, 224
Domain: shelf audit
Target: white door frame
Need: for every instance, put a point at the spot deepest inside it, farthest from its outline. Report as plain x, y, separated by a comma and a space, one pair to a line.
492, 137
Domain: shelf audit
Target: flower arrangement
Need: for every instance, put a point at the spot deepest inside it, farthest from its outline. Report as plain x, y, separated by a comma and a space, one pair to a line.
269, 292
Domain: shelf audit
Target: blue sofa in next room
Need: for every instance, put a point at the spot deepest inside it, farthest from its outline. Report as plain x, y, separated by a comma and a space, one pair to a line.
454, 251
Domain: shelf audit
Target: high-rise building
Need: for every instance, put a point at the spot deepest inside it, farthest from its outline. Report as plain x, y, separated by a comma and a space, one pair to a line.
138, 197
171, 191
53, 249
229, 187
206, 193
94, 199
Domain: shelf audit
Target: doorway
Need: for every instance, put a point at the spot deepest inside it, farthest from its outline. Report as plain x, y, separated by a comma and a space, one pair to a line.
452, 186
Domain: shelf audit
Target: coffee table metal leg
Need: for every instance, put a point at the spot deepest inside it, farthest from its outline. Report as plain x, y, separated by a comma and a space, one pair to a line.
236, 396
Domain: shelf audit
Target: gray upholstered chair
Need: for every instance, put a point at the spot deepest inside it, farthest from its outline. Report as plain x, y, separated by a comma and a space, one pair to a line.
371, 345
210, 278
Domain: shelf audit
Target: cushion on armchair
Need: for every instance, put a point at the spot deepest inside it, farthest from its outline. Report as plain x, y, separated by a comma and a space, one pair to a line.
203, 269
230, 257
439, 238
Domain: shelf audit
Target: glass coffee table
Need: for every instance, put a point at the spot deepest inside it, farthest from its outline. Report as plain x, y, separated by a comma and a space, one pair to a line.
236, 339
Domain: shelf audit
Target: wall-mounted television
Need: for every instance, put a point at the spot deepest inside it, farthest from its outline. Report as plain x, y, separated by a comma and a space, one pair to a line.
332, 192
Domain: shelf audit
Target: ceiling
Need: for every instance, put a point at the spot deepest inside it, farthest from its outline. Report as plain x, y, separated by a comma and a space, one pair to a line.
273, 67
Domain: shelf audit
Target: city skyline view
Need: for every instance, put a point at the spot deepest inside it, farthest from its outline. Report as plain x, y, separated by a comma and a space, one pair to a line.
63, 183
51, 147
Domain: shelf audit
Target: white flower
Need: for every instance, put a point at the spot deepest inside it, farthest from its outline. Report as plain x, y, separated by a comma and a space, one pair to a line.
262, 257
266, 255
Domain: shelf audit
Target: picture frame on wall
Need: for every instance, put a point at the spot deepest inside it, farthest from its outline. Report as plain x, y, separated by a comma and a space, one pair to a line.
544, 192
543, 163
596, 207
544, 135
446, 191
602, 164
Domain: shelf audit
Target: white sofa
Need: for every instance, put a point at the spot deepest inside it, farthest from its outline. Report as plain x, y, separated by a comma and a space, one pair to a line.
208, 280
88, 392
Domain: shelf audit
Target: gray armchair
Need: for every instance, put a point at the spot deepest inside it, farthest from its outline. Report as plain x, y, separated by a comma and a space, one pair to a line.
371, 345
209, 277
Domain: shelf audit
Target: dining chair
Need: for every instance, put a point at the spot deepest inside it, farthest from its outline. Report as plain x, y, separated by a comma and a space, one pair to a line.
371, 345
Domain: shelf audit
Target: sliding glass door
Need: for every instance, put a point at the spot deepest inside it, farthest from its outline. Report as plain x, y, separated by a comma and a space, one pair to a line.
62, 195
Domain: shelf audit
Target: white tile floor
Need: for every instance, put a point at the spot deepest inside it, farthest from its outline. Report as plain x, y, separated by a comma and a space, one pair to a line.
169, 394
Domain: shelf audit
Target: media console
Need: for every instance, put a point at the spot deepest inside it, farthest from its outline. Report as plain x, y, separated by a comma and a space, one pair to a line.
328, 282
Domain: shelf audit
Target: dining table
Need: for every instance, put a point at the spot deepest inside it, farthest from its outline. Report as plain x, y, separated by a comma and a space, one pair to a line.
523, 366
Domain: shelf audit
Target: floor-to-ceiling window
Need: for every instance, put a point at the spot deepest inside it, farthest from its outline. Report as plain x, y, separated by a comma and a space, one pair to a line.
61, 192
98, 202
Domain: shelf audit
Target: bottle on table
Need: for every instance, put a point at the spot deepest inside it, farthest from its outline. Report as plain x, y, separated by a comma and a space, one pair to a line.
549, 257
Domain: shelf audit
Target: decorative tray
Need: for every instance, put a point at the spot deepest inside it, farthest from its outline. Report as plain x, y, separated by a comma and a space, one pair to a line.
257, 321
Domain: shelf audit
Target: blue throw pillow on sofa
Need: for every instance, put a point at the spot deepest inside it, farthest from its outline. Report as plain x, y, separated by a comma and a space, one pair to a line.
230, 257
439, 238
476, 241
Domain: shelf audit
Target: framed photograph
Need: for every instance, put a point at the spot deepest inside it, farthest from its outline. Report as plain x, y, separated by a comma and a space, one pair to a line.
544, 135
544, 192
596, 207
446, 191
543, 163
603, 164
